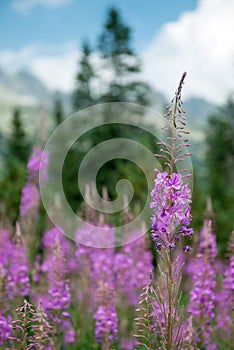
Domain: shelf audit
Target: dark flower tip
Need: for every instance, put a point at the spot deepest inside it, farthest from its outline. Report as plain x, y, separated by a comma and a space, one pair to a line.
158, 246
171, 245
187, 248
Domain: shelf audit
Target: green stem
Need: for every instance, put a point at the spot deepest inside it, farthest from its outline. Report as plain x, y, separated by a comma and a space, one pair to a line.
148, 316
169, 318
169, 257
24, 344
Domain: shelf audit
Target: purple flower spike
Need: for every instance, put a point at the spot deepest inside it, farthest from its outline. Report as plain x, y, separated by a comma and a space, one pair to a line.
170, 201
5, 329
37, 160
30, 199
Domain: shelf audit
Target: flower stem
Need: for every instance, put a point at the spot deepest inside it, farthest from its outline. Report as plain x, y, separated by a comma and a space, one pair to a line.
169, 317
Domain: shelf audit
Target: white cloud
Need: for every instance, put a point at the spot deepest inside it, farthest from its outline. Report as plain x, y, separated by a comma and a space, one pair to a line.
54, 66
25, 6
200, 42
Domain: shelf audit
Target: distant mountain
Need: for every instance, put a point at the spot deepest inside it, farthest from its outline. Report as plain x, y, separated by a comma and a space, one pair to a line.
23, 89
198, 110
26, 83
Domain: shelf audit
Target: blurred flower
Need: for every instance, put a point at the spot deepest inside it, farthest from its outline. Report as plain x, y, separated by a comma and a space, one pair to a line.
5, 329
30, 199
225, 309
106, 324
132, 266
37, 160
202, 296
57, 299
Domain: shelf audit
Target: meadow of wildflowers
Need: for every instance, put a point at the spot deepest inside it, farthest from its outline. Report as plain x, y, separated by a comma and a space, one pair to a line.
59, 294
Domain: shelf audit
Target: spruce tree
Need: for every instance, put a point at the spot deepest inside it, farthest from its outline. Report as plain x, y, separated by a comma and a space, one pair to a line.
17, 152
220, 164
83, 96
114, 45
17, 143
118, 60
123, 66
58, 110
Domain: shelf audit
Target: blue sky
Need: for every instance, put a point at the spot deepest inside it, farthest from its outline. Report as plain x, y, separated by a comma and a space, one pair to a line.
170, 36
55, 22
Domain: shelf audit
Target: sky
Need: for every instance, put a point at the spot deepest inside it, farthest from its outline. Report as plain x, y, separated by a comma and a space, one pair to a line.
44, 36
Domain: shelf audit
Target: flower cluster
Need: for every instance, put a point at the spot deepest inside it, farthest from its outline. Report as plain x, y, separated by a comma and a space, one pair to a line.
106, 323
5, 329
14, 266
30, 197
170, 201
57, 299
38, 160
202, 296
225, 315
132, 266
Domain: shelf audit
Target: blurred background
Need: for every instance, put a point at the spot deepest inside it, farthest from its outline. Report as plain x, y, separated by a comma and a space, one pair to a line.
59, 56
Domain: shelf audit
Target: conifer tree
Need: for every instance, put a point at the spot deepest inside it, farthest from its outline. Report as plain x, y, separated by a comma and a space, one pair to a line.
58, 110
83, 96
17, 152
115, 48
220, 164
117, 60
17, 143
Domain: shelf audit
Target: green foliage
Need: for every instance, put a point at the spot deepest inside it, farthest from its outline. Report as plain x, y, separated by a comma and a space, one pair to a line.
17, 143
220, 163
10, 187
15, 158
111, 172
82, 96
58, 111
122, 65
114, 45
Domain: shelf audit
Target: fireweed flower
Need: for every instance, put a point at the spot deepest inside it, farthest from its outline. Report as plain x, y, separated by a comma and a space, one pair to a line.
203, 296
21, 326
5, 329
128, 344
132, 266
97, 284
17, 268
5, 248
30, 197
106, 324
202, 302
37, 159
41, 329
57, 299
104, 292
207, 239
18, 278
5, 296
225, 307
106, 319
108, 279
171, 199
31, 329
